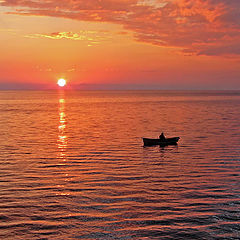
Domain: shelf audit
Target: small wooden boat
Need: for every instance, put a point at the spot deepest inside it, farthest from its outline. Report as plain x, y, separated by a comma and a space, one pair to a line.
161, 142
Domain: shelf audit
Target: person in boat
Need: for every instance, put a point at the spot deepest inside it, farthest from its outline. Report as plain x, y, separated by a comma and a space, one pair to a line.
162, 137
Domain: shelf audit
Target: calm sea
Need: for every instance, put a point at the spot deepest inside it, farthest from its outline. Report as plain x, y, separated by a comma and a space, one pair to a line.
73, 166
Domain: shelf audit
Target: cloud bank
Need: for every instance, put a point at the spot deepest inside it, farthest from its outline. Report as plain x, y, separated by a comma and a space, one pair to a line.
196, 27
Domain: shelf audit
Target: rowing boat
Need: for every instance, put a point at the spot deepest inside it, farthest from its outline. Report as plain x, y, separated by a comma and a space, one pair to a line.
161, 142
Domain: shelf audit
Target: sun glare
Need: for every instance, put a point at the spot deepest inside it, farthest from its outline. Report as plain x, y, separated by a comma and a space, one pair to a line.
61, 82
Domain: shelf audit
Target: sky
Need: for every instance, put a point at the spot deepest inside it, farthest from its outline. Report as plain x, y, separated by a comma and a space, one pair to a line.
120, 44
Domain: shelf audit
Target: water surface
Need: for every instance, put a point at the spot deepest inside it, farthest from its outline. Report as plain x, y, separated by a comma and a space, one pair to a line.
72, 165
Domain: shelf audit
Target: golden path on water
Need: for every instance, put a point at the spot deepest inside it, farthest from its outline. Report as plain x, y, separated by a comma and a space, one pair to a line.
62, 137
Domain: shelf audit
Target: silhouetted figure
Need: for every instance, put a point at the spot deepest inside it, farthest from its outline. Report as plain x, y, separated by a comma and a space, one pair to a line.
162, 137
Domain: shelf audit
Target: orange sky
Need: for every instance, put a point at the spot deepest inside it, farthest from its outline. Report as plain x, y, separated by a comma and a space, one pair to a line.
123, 44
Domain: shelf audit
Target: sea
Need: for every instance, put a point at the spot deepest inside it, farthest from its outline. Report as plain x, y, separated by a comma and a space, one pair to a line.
73, 165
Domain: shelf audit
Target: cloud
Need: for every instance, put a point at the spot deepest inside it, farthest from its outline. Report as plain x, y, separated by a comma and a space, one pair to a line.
202, 27
57, 35
89, 37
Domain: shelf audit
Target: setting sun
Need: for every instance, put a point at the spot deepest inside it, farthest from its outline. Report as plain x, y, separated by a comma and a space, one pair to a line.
61, 82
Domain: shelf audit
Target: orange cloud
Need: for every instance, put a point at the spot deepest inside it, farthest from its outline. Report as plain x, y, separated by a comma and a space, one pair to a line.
201, 27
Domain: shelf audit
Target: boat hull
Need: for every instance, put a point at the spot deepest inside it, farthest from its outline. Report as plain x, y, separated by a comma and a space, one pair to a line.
165, 142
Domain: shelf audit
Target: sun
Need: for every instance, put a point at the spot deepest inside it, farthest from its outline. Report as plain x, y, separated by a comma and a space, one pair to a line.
61, 82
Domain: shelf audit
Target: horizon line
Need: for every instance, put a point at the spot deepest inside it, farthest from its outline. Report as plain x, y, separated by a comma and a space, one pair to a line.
14, 86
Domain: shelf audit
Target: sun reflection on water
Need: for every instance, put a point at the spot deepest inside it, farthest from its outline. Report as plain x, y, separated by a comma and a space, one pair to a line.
62, 137
62, 144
